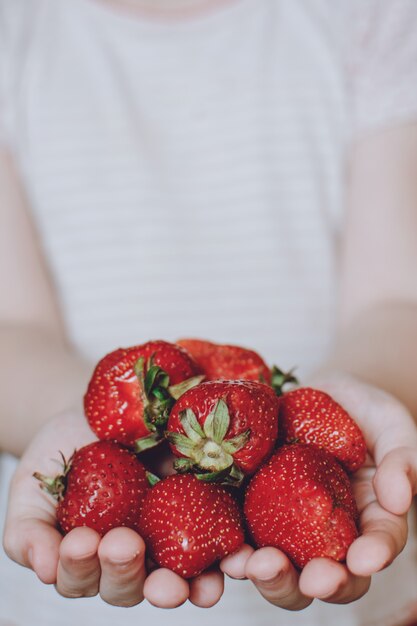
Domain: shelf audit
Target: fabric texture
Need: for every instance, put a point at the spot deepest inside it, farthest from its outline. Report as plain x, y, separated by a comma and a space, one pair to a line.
382, 63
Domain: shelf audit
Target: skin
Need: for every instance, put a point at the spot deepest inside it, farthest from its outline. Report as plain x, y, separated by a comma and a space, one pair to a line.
377, 320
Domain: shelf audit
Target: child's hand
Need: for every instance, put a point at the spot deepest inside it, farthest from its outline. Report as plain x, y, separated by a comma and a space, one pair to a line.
383, 491
82, 564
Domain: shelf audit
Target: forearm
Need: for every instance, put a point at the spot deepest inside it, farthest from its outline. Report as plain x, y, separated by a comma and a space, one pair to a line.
41, 376
380, 347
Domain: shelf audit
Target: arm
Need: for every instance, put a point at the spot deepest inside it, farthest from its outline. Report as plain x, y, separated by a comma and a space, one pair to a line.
371, 371
41, 374
378, 296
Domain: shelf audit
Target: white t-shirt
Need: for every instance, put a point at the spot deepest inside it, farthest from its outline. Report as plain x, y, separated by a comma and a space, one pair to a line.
187, 178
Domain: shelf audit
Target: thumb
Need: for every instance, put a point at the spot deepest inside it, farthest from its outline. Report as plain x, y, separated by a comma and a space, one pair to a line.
33, 543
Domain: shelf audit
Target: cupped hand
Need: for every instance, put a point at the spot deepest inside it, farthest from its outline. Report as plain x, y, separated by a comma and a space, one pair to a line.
82, 563
383, 489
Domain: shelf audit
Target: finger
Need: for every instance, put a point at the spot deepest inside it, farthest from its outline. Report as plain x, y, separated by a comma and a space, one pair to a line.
234, 564
79, 568
165, 589
383, 537
276, 579
330, 581
396, 429
395, 481
122, 559
207, 588
34, 543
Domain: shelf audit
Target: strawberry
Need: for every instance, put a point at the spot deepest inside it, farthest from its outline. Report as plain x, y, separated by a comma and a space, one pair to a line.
132, 391
188, 525
301, 502
228, 362
223, 430
218, 361
311, 416
102, 486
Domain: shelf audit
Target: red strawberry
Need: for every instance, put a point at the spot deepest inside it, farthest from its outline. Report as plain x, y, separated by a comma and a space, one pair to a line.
228, 362
102, 486
301, 502
188, 525
224, 429
132, 391
311, 416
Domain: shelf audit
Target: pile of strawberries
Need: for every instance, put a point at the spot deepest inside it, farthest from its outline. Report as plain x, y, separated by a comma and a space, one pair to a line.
253, 463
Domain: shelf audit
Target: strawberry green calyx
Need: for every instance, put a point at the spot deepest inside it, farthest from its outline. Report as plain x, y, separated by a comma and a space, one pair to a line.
232, 476
158, 399
205, 450
152, 478
279, 379
55, 486
178, 390
144, 443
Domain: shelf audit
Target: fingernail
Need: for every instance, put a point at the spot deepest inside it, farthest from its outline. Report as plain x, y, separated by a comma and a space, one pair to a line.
270, 579
121, 562
126, 561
